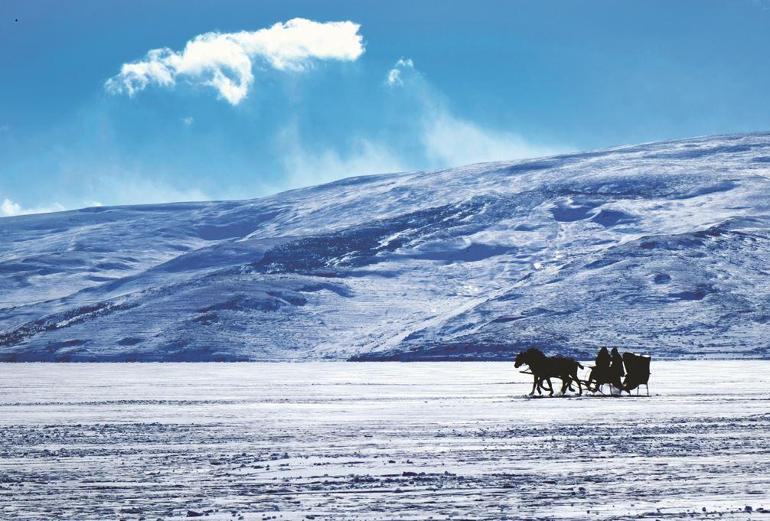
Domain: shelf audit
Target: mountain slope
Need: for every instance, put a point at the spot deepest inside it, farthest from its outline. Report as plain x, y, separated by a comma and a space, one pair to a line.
663, 248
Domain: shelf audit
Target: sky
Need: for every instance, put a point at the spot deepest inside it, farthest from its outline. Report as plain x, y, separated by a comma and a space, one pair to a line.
130, 102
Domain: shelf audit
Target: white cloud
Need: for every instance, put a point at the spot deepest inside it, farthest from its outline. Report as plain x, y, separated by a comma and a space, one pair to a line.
114, 186
451, 141
304, 166
443, 140
189, 120
394, 78
9, 208
125, 184
224, 60
135, 189
448, 140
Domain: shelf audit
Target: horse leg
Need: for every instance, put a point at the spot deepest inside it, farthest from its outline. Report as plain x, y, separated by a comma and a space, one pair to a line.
574, 376
540, 385
592, 378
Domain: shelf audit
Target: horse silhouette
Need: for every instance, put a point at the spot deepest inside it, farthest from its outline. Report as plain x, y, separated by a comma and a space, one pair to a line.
546, 367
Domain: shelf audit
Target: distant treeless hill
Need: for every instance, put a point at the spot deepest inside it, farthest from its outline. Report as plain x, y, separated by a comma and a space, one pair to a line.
661, 248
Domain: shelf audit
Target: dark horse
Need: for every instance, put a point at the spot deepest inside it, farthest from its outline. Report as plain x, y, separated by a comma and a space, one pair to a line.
545, 367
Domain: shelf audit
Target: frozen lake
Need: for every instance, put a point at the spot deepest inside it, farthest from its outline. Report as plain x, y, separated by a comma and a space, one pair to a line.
378, 441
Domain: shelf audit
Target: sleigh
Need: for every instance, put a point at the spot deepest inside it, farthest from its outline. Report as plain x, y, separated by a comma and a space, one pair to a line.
637, 373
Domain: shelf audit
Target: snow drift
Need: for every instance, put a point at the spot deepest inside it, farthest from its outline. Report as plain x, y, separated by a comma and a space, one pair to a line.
662, 248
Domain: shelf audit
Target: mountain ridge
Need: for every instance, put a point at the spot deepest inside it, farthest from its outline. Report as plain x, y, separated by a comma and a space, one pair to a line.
659, 247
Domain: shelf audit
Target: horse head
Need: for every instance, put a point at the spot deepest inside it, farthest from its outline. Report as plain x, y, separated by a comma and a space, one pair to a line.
526, 357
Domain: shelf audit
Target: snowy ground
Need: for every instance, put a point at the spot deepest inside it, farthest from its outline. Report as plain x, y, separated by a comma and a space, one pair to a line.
378, 441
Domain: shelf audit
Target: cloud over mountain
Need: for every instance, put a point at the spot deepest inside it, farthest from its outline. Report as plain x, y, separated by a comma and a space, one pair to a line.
224, 61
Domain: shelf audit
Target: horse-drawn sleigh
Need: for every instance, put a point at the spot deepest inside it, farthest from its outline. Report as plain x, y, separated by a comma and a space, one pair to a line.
621, 373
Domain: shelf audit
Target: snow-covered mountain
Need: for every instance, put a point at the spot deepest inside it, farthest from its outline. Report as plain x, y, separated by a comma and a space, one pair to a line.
662, 248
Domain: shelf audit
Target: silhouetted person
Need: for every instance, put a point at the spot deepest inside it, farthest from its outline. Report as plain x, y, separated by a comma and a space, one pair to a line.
616, 368
616, 362
600, 373
602, 361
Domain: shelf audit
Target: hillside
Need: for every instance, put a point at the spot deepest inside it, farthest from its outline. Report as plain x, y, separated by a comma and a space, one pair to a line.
662, 248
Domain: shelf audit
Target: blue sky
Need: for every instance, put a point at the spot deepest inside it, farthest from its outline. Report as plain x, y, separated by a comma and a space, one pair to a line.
403, 85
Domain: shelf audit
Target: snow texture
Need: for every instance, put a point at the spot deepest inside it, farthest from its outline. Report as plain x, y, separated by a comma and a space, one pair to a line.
341, 441
661, 248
